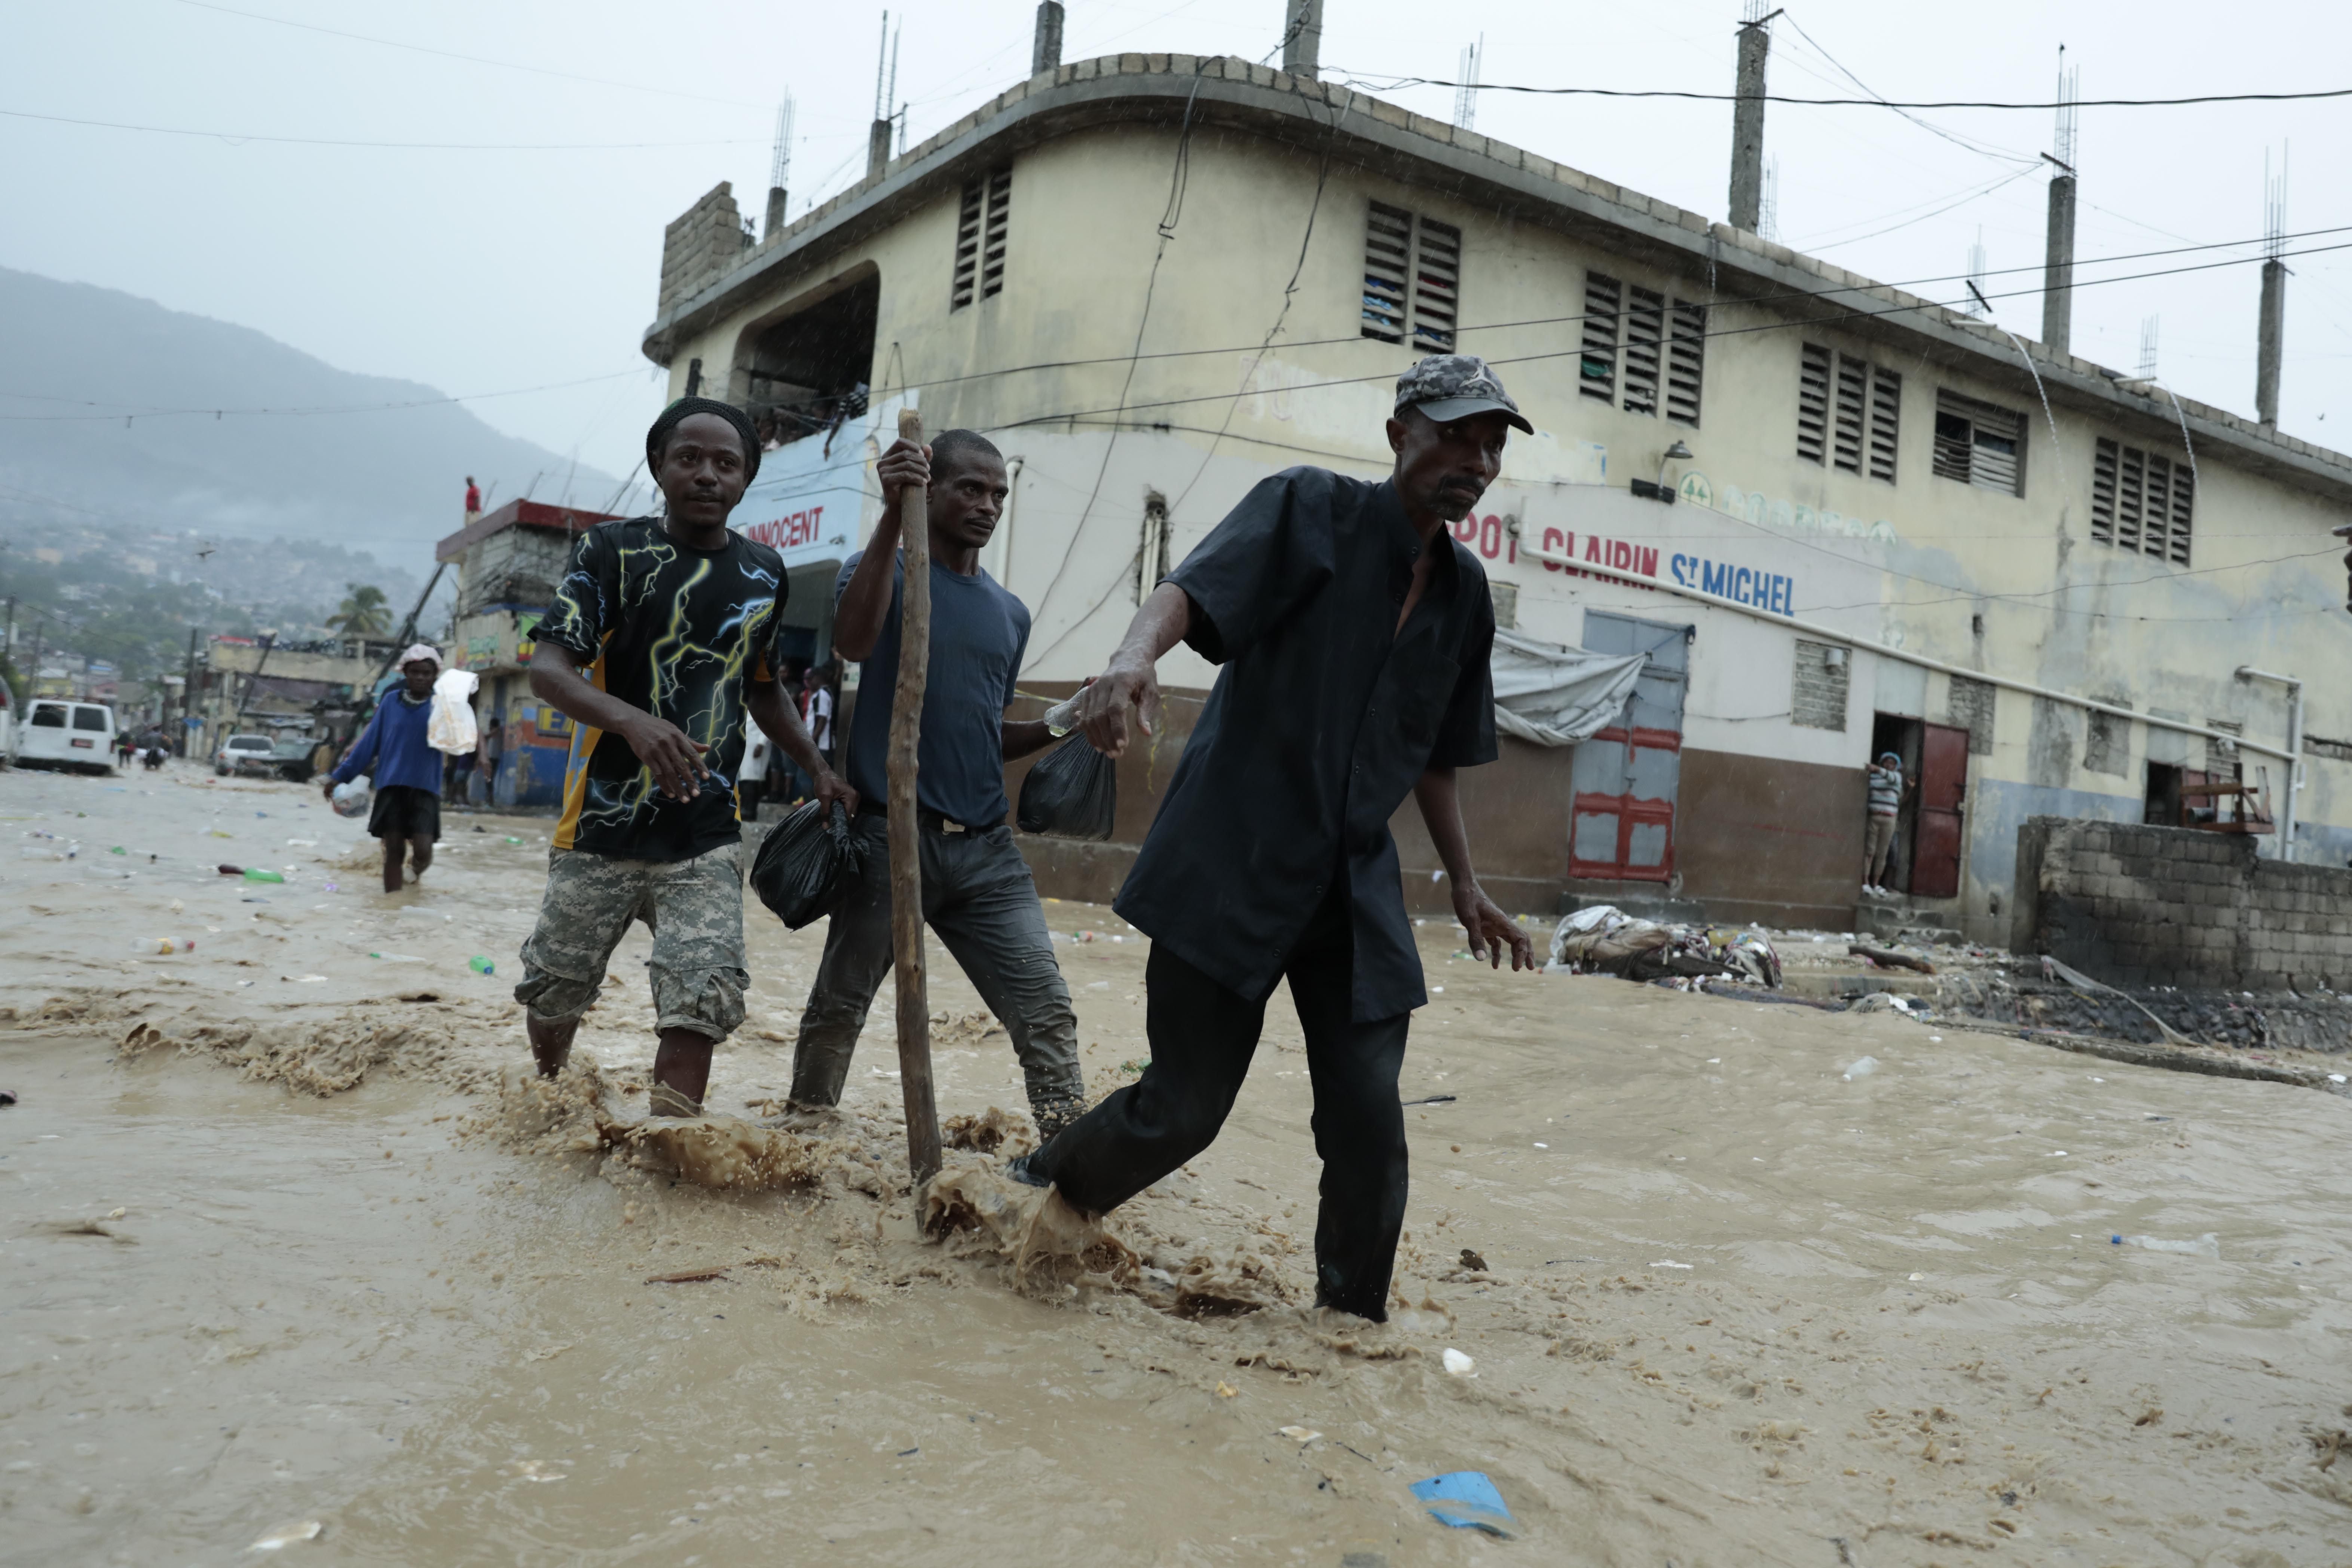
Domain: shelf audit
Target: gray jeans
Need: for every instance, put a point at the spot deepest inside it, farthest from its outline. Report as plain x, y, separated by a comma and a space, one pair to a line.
979, 896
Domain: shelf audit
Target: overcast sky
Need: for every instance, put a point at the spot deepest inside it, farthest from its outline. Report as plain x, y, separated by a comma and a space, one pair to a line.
490, 269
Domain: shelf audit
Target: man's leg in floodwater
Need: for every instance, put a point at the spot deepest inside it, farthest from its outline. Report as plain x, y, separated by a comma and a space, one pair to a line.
988, 915
588, 905
1358, 1125
1202, 1036
395, 846
857, 957
696, 969
420, 855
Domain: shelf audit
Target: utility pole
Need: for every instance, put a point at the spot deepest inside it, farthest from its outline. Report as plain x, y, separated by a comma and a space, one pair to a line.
780, 168
2058, 262
886, 88
1045, 51
2271, 345
187, 697
1747, 119
1302, 38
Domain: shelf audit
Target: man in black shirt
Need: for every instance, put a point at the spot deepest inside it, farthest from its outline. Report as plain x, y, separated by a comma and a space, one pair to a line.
1354, 634
673, 620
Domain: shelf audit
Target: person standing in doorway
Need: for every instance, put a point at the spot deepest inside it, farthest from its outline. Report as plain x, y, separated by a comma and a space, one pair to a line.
404, 767
977, 894
1354, 632
662, 639
1885, 786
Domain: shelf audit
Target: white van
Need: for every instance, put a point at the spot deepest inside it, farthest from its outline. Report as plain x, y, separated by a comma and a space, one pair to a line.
58, 733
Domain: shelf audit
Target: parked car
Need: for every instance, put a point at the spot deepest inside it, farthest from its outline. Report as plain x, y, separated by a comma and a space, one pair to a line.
246, 755
293, 757
59, 733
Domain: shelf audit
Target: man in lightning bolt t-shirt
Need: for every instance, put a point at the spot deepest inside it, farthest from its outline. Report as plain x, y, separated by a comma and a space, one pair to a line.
661, 637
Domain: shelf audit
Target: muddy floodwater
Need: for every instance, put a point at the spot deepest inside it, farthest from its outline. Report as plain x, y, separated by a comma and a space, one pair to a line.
296, 1266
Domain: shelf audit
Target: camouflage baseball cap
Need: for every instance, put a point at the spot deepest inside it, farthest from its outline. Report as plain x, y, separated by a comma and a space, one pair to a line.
1454, 386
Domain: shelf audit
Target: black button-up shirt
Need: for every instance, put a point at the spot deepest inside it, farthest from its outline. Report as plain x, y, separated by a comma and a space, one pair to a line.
1322, 720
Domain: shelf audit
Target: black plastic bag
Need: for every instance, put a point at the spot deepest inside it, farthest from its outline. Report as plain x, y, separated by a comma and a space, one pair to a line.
1072, 792
808, 863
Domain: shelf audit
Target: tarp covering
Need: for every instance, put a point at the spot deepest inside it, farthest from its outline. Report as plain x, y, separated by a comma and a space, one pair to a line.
1557, 695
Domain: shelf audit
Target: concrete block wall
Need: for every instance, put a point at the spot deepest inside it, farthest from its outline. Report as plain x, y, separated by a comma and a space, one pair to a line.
700, 242
2173, 906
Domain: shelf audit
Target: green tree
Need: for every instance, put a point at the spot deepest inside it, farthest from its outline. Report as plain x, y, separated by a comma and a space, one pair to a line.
364, 613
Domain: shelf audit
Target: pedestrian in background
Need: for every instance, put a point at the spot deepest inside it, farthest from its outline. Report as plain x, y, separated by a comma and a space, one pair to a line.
404, 768
1885, 785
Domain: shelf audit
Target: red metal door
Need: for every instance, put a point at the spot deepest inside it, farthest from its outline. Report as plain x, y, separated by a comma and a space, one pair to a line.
1935, 841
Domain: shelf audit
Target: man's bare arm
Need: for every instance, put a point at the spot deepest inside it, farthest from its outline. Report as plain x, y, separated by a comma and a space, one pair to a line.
1023, 736
1132, 676
1490, 929
765, 699
865, 601
670, 751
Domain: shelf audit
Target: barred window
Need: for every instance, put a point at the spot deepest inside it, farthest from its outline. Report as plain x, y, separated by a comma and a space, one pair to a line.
1642, 347
2141, 501
1413, 279
1849, 412
1979, 443
982, 225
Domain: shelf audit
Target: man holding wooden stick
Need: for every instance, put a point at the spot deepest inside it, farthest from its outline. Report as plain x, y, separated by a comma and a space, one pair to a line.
1354, 633
973, 890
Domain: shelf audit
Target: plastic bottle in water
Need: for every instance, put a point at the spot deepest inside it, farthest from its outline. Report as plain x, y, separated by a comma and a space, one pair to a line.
163, 946
480, 966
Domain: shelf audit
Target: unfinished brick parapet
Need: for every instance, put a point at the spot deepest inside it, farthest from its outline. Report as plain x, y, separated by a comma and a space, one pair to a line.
2170, 905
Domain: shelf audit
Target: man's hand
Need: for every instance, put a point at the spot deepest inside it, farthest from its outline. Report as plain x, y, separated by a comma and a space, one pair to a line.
327, 783
1490, 929
671, 754
904, 464
831, 786
1103, 704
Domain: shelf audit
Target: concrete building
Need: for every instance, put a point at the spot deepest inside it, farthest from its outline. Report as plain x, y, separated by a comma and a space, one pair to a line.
314, 689
1840, 518
509, 561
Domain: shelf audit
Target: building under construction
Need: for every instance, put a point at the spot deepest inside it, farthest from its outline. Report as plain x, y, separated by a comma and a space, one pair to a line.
1838, 519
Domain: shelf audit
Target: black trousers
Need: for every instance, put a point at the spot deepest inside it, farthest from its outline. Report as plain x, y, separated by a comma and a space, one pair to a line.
1202, 1036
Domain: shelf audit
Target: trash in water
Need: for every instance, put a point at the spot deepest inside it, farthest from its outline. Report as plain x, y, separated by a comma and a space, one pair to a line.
287, 1535
118, 849
1457, 1364
510, 837
395, 958
163, 945
7, 1097
1862, 1069
1300, 1433
481, 965
1225, 1390
2206, 1245
1466, 1500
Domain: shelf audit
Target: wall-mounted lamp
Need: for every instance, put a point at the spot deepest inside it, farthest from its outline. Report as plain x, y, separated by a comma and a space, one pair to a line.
1834, 657
1678, 452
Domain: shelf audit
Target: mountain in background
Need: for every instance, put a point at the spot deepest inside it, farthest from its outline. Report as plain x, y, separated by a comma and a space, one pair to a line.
75, 358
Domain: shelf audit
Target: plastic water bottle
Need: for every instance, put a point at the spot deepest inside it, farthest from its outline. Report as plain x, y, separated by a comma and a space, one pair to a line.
1063, 716
481, 965
257, 874
1862, 1069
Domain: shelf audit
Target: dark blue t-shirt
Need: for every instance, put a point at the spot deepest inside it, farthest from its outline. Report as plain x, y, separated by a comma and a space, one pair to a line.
978, 634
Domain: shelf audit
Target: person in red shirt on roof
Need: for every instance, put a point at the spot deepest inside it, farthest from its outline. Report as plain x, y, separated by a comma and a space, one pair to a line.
473, 499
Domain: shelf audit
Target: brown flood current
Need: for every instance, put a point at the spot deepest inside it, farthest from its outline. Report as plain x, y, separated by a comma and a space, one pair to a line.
299, 1252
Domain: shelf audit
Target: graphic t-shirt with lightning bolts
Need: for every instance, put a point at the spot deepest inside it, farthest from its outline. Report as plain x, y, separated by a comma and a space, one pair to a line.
676, 632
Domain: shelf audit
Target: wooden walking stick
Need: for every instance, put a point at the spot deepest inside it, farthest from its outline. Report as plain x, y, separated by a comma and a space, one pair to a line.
906, 832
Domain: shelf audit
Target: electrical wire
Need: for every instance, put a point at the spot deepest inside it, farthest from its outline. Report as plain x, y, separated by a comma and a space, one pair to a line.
240, 138
1390, 83
470, 59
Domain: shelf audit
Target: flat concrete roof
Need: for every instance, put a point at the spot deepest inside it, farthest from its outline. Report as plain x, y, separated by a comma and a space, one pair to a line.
1308, 115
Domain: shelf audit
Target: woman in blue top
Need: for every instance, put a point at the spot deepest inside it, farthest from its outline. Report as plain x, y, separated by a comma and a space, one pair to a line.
406, 769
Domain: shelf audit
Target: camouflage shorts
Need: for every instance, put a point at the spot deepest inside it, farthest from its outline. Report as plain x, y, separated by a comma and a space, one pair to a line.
695, 909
